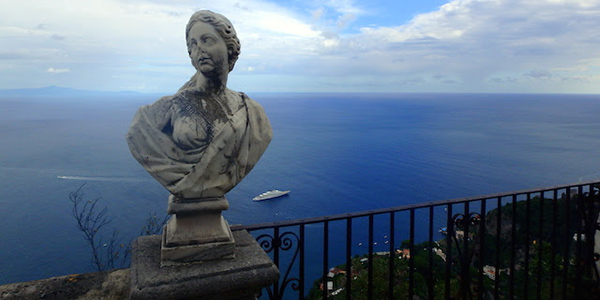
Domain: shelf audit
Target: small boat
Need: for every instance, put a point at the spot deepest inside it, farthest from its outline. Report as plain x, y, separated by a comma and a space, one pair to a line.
270, 195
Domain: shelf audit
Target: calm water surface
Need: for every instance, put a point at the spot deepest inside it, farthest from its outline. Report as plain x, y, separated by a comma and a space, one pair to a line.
337, 153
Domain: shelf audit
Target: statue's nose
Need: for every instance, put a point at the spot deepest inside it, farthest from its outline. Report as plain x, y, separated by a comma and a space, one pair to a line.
198, 48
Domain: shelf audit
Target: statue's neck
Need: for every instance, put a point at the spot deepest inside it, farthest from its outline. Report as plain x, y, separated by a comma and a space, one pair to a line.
213, 85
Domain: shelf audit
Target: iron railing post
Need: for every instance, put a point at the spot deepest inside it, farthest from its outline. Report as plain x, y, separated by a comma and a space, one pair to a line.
349, 259
449, 234
392, 258
370, 262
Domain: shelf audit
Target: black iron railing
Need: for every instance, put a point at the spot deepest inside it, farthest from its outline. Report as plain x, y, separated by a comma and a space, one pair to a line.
531, 244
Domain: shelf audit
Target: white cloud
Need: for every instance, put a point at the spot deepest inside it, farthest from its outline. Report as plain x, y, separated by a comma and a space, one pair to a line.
343, 6
474, 40
477, 44
104, 37
57, 71
318, 13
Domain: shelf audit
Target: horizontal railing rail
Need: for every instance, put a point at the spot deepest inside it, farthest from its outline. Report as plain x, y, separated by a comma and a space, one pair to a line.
528, 244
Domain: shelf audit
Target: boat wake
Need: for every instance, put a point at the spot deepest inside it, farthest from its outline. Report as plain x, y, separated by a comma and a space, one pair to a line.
589, 177
98, 178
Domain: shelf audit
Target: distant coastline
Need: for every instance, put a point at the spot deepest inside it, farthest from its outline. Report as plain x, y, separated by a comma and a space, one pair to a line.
67, 91
61, 91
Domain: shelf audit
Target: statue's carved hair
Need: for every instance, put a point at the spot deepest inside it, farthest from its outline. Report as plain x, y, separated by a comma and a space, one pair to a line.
223, 26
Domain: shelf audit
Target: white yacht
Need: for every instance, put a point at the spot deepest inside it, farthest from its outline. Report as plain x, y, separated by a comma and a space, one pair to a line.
270, 195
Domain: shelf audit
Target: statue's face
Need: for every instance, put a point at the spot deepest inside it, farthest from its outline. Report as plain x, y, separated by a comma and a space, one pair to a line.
208, 51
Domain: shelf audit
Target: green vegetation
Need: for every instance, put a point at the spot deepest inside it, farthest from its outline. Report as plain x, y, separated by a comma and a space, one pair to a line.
422, 277
541, 251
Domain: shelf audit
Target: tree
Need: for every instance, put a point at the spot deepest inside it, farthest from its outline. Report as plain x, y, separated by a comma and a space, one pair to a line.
91, 220
154, 224
108, 253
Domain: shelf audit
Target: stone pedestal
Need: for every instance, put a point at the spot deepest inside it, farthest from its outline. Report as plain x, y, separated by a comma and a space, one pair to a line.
239, 278
197, 231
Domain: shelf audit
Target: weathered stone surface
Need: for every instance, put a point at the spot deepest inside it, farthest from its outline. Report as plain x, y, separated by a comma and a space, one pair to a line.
238, 278
204, 139
109, 285
183, 247
197, 231
201, 142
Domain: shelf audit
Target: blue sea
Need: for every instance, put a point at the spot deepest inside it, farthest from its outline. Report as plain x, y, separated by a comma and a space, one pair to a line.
337, 153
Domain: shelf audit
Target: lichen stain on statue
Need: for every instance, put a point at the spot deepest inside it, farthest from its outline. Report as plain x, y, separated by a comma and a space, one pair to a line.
202, 141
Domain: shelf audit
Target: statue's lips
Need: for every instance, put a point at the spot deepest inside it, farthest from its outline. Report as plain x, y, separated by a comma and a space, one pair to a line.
205, 61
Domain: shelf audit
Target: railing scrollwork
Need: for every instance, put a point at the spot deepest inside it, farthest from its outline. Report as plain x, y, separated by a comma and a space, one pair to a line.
465, 233
274, 244
589, 204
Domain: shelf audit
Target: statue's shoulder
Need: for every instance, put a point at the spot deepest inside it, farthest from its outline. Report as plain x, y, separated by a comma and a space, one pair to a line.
249, 102
159, 111
164, 103
258, 118
257, 113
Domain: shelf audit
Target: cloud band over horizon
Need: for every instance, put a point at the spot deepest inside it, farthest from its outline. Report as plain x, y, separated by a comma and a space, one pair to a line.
529, 46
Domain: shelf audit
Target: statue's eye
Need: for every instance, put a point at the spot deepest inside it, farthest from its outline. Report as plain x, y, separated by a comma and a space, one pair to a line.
209, 40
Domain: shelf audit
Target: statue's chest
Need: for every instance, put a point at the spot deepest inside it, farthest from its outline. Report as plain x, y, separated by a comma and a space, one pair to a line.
195, 123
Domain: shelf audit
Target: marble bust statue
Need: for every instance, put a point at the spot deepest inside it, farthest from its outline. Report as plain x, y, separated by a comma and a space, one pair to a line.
203, 140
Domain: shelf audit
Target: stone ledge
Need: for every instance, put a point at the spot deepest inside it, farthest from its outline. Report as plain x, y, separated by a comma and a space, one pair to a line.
108, 285
215, 279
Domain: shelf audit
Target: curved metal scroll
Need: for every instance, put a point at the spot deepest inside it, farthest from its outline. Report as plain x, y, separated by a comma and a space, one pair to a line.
589, 213
281, 242
469, 225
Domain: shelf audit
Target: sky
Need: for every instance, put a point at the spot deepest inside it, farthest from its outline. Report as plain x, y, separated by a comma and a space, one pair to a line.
459, 46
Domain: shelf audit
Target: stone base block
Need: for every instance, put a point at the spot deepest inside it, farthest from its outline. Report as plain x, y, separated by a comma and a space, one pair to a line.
239, 278
196, 231
196, 253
